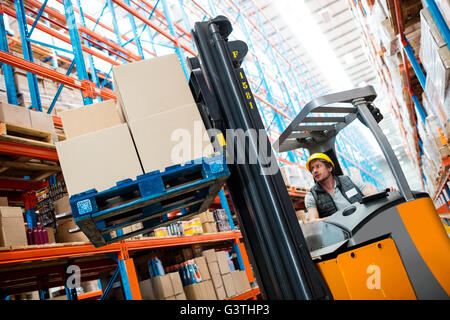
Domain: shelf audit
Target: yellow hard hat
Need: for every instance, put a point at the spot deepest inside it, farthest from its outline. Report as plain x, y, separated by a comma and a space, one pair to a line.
318, 156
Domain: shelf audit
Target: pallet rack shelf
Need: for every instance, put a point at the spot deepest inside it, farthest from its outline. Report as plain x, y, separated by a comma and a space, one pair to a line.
414, 83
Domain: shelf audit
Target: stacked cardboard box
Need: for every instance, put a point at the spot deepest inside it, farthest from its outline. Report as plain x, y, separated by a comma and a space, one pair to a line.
157, 103
215, 274
166, 287
208, 222
25, 117
12, 229
100, 151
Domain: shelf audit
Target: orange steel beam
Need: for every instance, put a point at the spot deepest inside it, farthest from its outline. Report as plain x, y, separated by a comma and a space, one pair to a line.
248, 268
84, 85
17, 149
90, 295
80, 250
248, 295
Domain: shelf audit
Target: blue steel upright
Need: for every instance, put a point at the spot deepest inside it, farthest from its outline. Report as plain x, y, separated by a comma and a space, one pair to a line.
76, 44
27, 54
8, 73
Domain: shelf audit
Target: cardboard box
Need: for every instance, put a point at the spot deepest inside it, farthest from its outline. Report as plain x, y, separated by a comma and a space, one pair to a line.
228, 284
181, 296
222, 260
42, 121
146, 289
210, 255
63, 234
62, 205
91, 118
170, 138
244, 280
162, 287
203, 268
148, 87
206, 217
195, 291
15, 114
98, 160
3, 201
240, 281
217, 280
12, 229
213, 267
209, 290
220, 293
209, 227
51, 235
177, 285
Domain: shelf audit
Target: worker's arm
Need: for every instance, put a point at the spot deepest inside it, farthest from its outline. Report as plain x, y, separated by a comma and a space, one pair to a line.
368, 191
310, 204
313, 214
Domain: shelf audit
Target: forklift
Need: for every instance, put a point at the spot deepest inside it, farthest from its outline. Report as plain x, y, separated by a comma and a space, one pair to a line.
391, 245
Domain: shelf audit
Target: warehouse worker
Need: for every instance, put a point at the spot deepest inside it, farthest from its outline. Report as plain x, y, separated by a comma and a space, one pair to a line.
330, 193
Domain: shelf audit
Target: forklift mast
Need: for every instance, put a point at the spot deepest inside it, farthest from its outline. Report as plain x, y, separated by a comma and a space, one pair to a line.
278, 251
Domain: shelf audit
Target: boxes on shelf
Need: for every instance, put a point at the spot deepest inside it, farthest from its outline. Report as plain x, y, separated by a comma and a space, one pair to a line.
42, 121
229, 285
240, 281
12, 229
98, 160
68, 231
165, 287
91, 118
15, 114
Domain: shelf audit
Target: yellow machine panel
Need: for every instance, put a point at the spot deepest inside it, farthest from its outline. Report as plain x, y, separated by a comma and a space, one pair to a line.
373, 272
431, 240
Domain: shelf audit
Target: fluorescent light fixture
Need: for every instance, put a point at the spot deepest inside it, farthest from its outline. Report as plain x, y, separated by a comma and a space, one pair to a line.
298, 17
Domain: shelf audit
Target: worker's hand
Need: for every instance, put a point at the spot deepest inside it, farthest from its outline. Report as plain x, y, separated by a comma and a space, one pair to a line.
392, 189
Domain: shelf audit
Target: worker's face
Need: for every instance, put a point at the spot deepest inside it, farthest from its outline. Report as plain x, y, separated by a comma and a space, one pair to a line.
319, 170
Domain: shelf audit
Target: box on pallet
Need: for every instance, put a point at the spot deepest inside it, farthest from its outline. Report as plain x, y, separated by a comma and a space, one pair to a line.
42, 121
98, 159
240, 281
178, 135
12, 230
15, 114
152, 86
94, 117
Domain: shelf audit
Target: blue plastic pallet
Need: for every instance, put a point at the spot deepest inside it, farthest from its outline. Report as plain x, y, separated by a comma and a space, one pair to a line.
190, 188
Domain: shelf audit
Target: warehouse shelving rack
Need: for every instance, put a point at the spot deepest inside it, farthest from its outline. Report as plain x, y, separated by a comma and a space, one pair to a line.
414, 74
282, 86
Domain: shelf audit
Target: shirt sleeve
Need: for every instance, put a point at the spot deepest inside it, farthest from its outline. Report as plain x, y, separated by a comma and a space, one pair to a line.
309, 201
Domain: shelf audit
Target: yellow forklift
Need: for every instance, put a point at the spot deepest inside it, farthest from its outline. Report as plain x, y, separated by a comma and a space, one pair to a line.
392, 245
